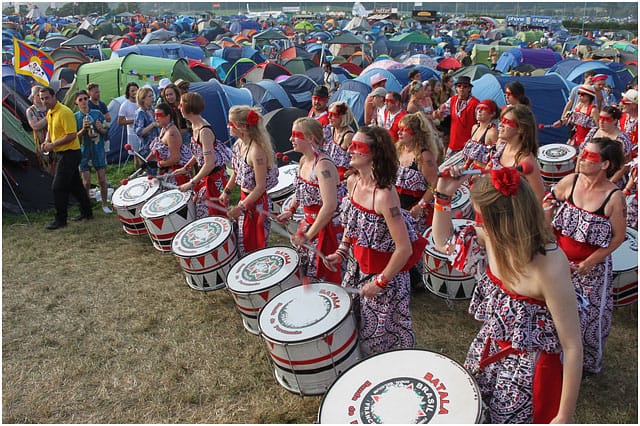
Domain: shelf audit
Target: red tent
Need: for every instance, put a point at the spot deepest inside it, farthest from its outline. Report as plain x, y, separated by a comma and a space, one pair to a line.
351, 68
449, 64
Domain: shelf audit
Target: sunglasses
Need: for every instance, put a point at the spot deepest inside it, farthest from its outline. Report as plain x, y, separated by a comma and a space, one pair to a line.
591, 156
318, 98
406, 130
296, 134
359, 147
333, 115
159, 115
508, 123
606, 119
82, 99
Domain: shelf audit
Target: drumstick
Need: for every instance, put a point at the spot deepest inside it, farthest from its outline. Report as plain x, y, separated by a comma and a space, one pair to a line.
128, 147
283, 155
131, 176
544, 126
525, 167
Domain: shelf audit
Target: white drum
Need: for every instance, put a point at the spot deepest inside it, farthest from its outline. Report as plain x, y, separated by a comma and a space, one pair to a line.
556, 160
456, 159
285, 186
128, 200
440, 277
406, 386
260, 276
625, 270
165, 214
461, 207
297, 217
206, 249
311, 336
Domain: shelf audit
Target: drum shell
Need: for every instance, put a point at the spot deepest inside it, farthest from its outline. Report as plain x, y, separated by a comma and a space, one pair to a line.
461, 207
163, 227
309, 364
552, 170
441, 390
440, 277
285, 187
207, 270
128, 200
625, 270
297, 217
249, 301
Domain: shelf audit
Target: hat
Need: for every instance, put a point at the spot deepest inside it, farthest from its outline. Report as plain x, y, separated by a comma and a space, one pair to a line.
36, 89
631, 95
377, 78
164, 83
379, 91
589, 90
463, 79
321, 91
599, 77
180, 82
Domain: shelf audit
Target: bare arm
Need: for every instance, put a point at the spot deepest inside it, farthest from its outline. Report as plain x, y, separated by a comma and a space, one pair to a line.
327, 180
174, 141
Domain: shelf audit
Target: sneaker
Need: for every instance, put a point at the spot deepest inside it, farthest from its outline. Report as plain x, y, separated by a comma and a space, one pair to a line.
106, 209
81, 217
55, 225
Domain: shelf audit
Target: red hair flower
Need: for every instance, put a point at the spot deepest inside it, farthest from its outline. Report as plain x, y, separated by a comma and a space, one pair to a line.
252, 118
506, 180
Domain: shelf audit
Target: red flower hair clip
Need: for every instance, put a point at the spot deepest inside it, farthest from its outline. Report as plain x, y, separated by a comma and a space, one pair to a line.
252, 118
506, 180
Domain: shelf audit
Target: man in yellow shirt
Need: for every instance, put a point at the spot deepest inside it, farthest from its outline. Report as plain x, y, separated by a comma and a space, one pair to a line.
62, 139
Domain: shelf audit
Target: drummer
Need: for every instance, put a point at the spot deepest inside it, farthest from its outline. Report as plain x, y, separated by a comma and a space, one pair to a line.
484, 135
339, 136
256, 172
381, 239
319, 192
527, 356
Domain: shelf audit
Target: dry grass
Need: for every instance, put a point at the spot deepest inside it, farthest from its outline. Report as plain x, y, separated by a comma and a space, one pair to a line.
99, 327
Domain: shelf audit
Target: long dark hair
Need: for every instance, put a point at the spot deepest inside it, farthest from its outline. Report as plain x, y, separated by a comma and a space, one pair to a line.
385, 157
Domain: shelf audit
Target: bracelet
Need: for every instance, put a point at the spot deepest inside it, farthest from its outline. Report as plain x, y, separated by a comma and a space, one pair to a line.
441, 208
626, 191
344, 245
441, 196
381, 281
242, 206
445, 202
423, 204
342, 253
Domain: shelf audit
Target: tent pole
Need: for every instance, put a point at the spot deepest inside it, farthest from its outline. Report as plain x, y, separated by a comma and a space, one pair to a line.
4, 174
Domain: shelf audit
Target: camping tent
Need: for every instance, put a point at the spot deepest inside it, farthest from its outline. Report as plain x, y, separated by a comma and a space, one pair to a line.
480, 52
539, 58
269, 94
548, 95
573, 70
164, 50
279, 123
354, 93
299, 87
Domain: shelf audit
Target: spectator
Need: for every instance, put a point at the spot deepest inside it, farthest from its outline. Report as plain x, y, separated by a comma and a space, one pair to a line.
126, 117
319, 109
392, 114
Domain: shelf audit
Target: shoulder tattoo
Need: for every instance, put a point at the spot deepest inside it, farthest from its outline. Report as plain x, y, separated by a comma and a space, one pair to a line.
395, 211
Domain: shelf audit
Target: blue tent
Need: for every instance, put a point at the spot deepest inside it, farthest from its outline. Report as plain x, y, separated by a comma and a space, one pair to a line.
548, 95
269, 94
168, 50
20, 83
539, 58
573, 70
354, 93
299, 87
232, 54
238, 26
392, 80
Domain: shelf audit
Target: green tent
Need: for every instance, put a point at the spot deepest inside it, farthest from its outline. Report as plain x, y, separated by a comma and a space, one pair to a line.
480, 52
114, 74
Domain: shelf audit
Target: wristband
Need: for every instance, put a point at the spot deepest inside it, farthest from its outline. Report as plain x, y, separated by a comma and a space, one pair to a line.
423, 204
441, 208
242, 206
441, 196
342, 253
626, 191
381, 281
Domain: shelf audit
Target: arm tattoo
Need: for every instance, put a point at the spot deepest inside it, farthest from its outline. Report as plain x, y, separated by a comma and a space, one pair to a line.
395, 211
260, 161
326, 174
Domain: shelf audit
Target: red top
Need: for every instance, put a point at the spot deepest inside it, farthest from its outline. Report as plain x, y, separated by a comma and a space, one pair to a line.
462, 124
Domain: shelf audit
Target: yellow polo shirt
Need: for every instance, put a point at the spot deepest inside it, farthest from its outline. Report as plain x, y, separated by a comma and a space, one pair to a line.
61, 121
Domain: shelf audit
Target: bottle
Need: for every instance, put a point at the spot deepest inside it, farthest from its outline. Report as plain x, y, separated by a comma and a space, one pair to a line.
91, 130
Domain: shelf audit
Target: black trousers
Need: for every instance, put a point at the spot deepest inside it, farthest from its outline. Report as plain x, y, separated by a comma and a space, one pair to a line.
67, 182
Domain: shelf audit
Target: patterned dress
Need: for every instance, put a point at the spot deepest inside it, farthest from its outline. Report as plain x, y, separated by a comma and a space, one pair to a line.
411, 186
144, 118
384, 321
333, 149
516, 354
327, 240
580, 233
476, 150
162, 153
211, 186
253, 226
583, 123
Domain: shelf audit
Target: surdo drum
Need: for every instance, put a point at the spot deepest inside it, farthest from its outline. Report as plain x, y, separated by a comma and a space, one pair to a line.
258, 277
165, 214
206, 249
285, 187
625, 270
297, 217
440, 277
461, 207
556, 161
311, 336
129, 199
406, 386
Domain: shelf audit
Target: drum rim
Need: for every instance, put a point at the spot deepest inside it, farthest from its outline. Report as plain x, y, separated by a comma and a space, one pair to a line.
347, 314
174, 209
262, 288
634, 233
208, 251
546, 160
474, 381
275, 190
157, 186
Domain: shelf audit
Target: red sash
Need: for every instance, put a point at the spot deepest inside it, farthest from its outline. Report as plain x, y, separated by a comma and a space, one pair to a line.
327, 244
254, 234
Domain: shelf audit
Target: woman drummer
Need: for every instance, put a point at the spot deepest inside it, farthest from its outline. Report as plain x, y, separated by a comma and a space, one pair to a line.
484, 135
527, 356
169, 151
584, 117
319, 192
256, 172
381, 239
339, 136
590, 223
209, 156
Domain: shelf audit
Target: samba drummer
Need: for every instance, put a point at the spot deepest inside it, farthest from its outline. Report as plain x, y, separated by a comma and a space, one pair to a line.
527, 356
319, 191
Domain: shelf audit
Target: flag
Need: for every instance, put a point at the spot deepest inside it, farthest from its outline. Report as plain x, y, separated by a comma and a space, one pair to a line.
33, 62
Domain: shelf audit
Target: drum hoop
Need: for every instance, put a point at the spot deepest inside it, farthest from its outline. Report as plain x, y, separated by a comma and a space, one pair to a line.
254, 290
285, 185
474, 382
563, 159
126, 206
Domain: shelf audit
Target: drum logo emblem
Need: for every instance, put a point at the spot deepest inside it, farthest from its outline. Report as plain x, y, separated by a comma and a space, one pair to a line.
136, 191
201, 235
303, 312
262, 268
165, 202
556, 152
401, 400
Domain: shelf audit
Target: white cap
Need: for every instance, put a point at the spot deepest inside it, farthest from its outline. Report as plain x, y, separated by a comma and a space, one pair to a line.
164, 83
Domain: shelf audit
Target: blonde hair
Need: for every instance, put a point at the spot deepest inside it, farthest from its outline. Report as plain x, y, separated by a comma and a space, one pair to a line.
424, 136
257, 133
346, 115
142, 93
311, 128
514, 224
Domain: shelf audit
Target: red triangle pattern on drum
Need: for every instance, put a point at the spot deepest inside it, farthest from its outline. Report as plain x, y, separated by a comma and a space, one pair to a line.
158, 222
201, 259
329, 339
559, 166
437, 263
271, 345
264, 295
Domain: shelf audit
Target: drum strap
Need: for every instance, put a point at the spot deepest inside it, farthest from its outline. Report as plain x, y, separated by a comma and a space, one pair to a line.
505, 350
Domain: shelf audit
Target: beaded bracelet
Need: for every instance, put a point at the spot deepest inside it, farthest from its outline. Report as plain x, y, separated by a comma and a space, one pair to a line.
381, 281
442, 208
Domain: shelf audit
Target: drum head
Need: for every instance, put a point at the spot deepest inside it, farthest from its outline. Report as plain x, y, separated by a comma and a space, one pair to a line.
165, 203
556, 153
286, 178
455, 159
430, 248
403, 387
201, 236
461, 197
625, 257
304, 312
137, 191
262, 269
298, 215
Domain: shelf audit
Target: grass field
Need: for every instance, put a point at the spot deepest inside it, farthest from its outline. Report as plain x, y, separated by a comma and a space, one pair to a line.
99, 327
